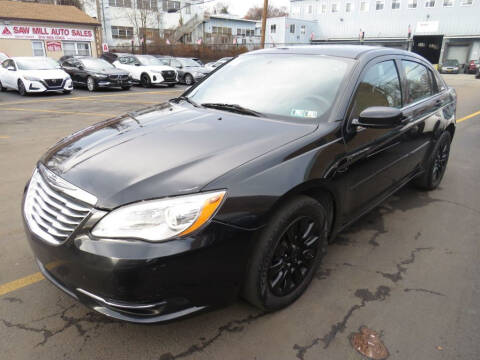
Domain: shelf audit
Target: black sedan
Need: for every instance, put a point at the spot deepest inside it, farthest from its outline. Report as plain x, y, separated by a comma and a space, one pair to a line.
95, 73
234, 189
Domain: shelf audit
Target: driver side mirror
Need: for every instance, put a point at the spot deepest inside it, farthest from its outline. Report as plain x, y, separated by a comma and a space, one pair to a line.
379, 117
179, 66
80, 67
11, 68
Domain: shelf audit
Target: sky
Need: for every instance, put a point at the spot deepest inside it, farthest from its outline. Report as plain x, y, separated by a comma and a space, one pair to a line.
240, 7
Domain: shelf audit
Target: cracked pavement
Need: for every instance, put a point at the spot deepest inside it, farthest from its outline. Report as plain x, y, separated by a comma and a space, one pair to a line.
408, 270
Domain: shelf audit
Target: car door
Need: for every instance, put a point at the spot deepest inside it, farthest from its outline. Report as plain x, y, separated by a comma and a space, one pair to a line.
425, 105
70, 69
372, 154
81, 72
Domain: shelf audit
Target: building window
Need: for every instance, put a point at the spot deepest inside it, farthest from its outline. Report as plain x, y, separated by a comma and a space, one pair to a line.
76, 48
120, 3
292, 29
348, 7
334, 7
395, 4
122, 32
150, 34
273, 28
379, 4
412, 4
147, 4
430, 3
364, 6
303, 30
38, 48
188, 8
448, 3
250, 32
310, 9
324, 8
466, 3
170, 5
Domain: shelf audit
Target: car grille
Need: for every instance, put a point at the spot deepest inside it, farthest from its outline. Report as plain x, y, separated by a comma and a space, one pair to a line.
169, 75
54, 82
51, 214
118, 77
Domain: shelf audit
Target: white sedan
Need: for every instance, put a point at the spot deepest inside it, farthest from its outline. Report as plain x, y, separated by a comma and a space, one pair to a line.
34, 75
147, 70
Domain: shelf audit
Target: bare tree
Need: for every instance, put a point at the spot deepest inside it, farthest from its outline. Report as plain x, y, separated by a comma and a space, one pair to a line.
255, 12
221, 8
144, 16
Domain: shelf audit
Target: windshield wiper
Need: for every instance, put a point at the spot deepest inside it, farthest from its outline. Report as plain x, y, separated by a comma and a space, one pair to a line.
233, 108
185, 98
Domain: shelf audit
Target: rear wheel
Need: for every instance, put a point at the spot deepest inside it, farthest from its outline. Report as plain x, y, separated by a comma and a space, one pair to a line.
91, 86
145, 81
21, 88
287, 253
436, 164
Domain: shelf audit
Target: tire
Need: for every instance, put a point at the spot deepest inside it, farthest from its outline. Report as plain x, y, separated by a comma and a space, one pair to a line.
436, 164
67, 92
126, 87
21, 88
91, 86
280, 260
145, 81
189, 80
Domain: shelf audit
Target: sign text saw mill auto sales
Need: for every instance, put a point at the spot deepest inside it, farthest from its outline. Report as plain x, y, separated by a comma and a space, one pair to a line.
45, 33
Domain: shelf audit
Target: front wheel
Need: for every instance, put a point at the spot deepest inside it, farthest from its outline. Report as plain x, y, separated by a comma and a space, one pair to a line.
21, 88
436, 164
287, 253
145, 81
91, 86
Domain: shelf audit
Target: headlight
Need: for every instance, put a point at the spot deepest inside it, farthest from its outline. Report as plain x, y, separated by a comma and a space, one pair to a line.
31, 78
100, 76
156, 71
159, 220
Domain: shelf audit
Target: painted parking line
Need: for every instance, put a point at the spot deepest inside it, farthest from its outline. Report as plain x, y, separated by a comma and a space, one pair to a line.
20, 283
469, 116
4, 137
59, 112
91, 97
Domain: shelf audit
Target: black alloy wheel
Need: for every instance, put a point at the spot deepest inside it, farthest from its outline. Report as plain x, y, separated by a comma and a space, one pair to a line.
294, 255
145, 81
91, 86
21, 88
436, 165
189, 79
287, 252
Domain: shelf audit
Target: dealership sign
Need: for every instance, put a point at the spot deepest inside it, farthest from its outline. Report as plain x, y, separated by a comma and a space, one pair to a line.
426, 27
45, 33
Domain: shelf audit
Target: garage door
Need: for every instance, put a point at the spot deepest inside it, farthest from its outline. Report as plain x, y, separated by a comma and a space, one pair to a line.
458, 52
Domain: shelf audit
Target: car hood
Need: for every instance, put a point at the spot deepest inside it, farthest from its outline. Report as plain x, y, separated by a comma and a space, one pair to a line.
164, 150
199, 69
157, 68
45, 74
109, 71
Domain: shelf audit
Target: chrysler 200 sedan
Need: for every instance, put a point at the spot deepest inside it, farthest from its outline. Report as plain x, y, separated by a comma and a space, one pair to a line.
235, 189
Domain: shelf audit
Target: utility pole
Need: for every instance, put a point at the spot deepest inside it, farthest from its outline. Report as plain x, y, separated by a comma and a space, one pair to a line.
264, 22
100, 20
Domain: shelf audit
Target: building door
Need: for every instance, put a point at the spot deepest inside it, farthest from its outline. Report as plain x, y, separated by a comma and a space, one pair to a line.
428, 46
458, 52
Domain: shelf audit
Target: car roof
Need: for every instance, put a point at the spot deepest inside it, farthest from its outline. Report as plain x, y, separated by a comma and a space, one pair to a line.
346, 51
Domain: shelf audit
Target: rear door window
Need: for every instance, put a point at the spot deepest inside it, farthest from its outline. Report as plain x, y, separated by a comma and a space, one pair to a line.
419, 81
380, 86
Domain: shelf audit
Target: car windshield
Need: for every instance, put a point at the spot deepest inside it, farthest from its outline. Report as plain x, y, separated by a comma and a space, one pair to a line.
36, 63
451, 63
96, 64
295, 86
149, 60
189, 63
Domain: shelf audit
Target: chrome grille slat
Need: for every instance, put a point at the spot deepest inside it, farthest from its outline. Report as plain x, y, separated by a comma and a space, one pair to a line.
50, 213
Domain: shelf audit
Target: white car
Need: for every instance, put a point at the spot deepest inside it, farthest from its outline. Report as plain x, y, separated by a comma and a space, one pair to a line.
147, 70
34, 75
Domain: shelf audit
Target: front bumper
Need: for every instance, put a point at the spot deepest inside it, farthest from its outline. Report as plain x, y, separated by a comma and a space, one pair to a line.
144, 282
107, 83
43, 87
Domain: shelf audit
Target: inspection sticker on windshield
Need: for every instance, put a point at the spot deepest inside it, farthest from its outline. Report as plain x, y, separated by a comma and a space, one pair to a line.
303, 113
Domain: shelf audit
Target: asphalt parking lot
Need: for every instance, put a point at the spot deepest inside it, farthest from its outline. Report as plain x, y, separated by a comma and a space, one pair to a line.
408, 270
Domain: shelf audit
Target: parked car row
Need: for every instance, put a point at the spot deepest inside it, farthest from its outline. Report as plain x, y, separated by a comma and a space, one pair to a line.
452, 66
112, 70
